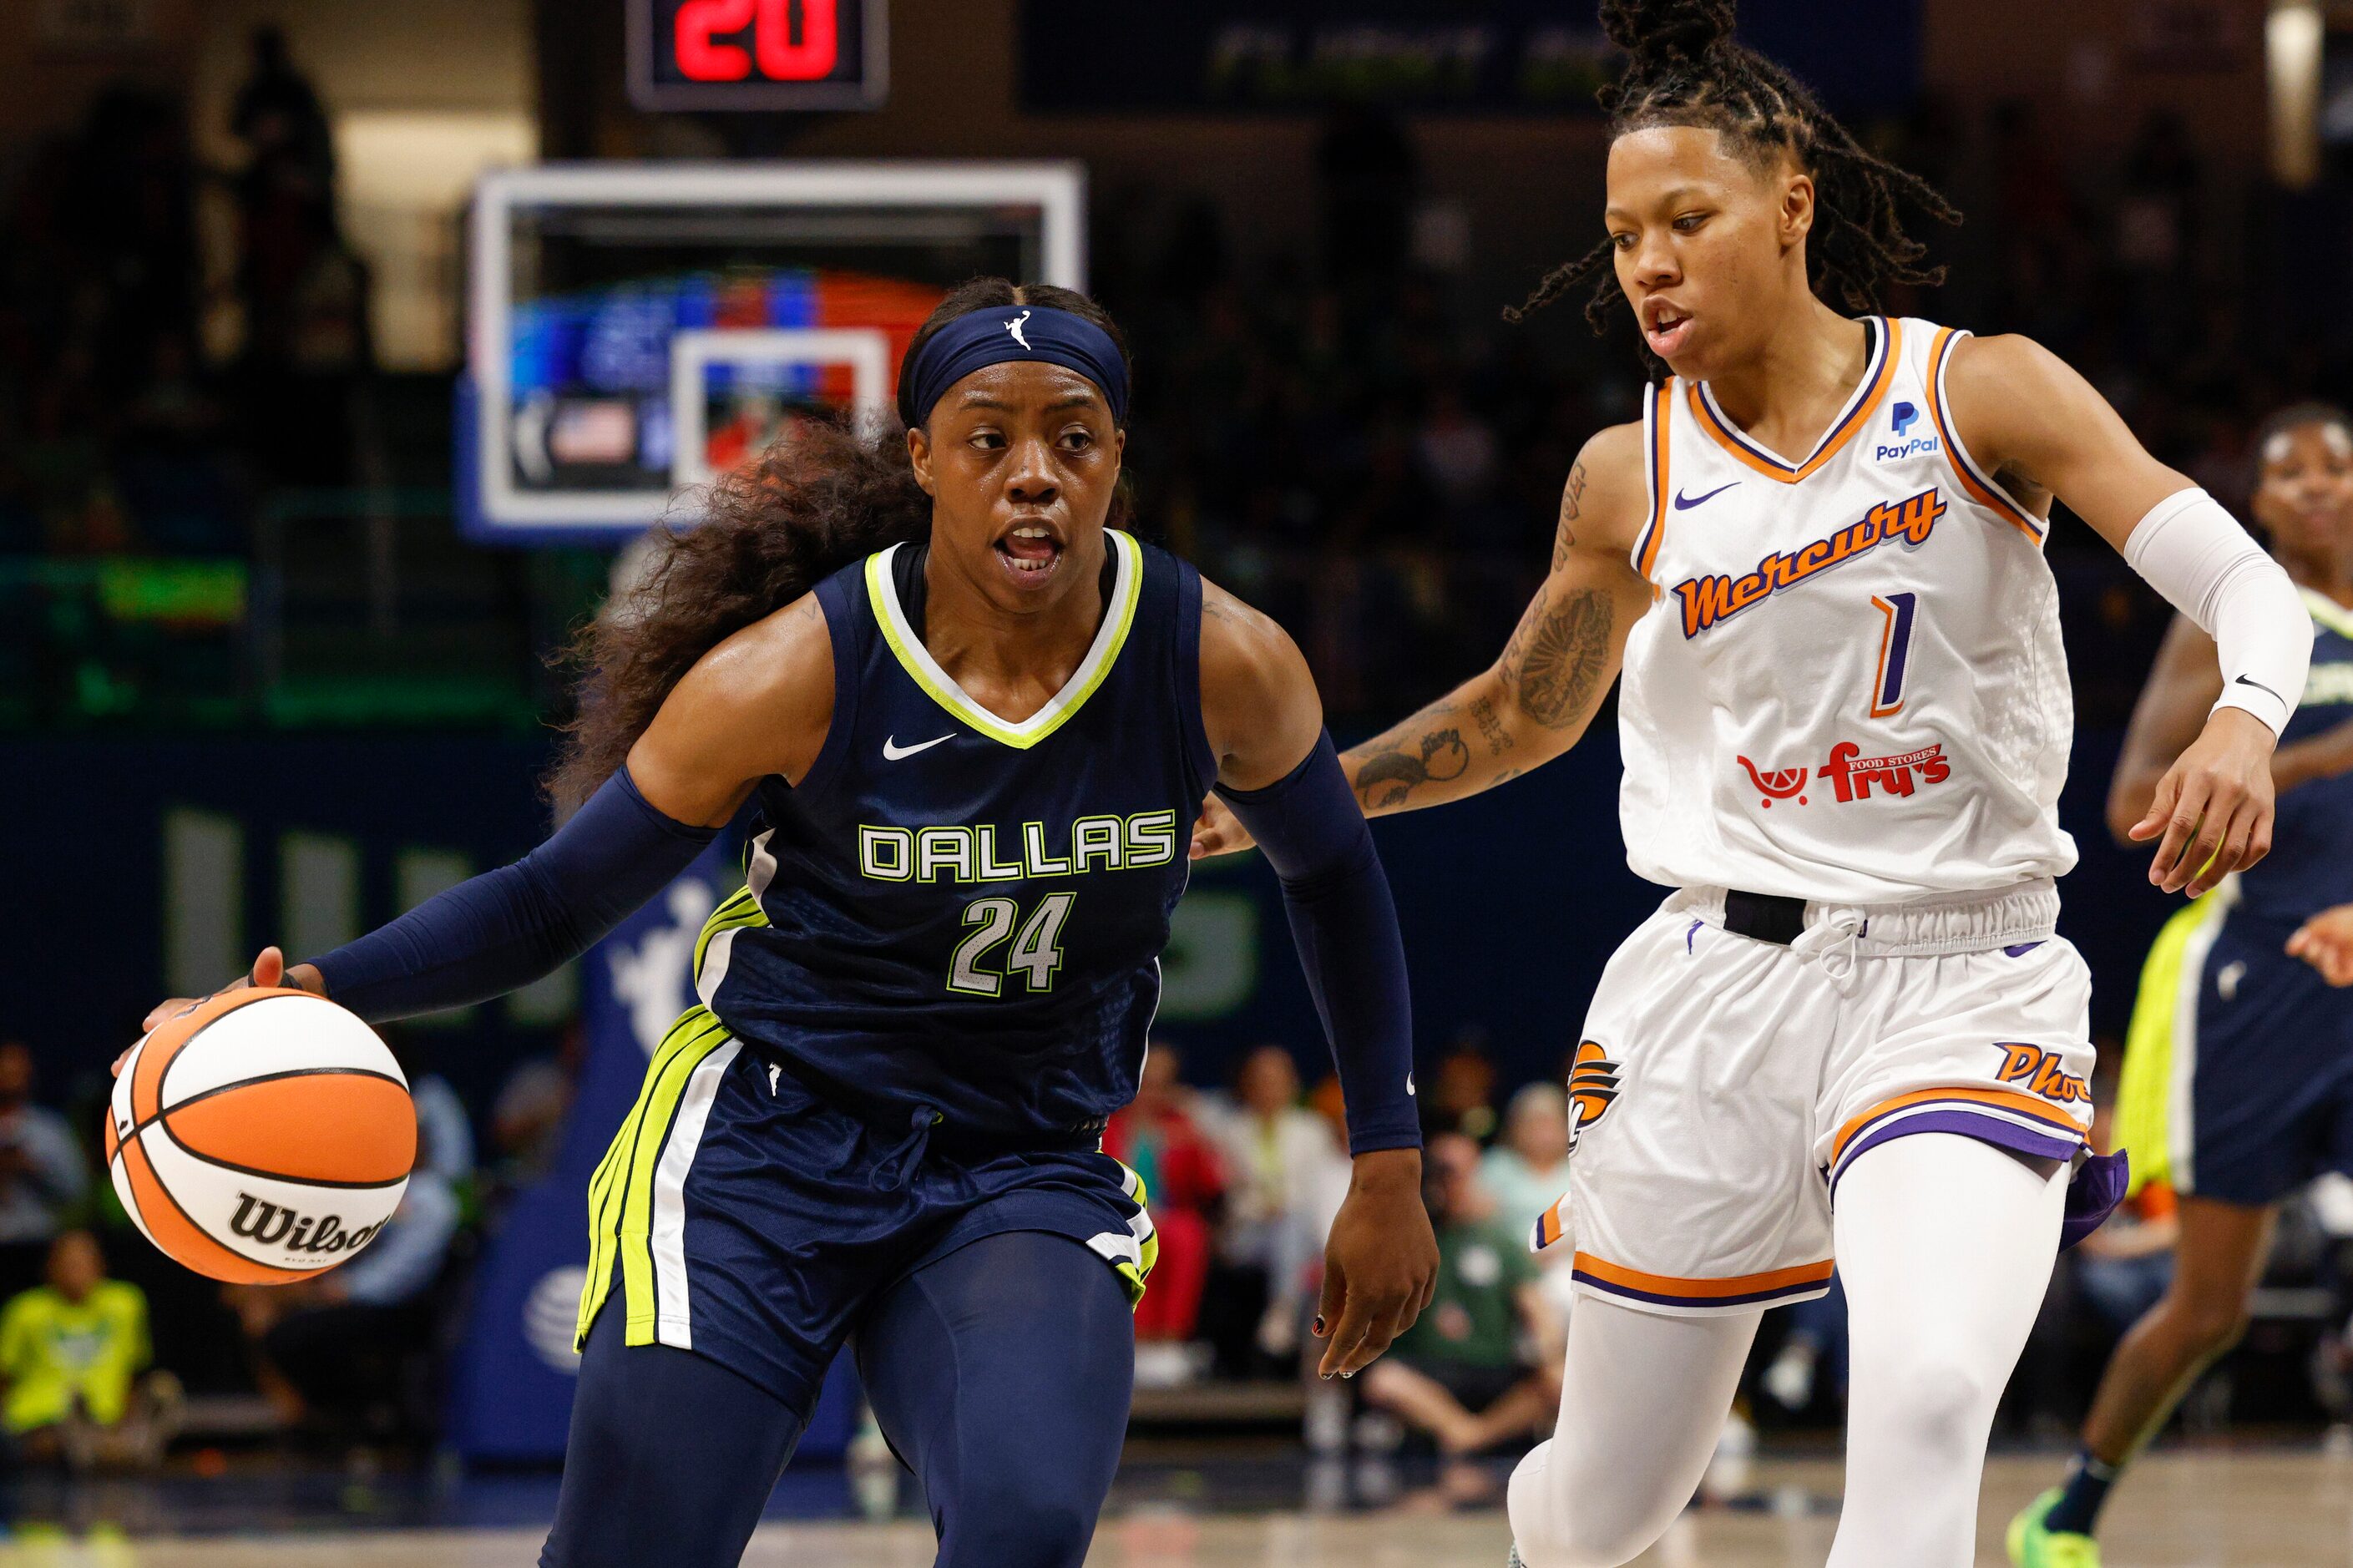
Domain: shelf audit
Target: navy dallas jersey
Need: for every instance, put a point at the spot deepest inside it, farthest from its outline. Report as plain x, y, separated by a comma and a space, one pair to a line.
2247, 1085
955, 915
2310, 867
935, 987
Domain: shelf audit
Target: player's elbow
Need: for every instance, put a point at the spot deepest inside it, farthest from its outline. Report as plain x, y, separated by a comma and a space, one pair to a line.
1520, 733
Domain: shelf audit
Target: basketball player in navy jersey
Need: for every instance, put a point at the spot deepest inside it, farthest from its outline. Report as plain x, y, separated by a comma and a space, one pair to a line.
2238, 1081
975, 721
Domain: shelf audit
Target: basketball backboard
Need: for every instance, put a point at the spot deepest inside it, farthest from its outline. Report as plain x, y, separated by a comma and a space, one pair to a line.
635, 329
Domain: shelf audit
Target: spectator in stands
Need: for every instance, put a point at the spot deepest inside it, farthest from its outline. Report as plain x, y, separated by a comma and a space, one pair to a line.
527, 1120
1277, 1155
43, 1178
1527, 1170
1456, 449
1459, 1375
304, 290
444, 1134
72, 1353
1462, 1087
1159, 1136
2121, 1268
333, 1353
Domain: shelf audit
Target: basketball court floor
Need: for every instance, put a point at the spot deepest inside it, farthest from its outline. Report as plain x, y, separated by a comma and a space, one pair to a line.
2253, 1509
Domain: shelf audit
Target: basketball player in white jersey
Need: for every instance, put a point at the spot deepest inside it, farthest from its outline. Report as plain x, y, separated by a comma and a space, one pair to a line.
1850, 1032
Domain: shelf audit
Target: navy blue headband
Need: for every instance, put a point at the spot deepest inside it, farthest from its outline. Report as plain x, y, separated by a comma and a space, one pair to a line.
997, 333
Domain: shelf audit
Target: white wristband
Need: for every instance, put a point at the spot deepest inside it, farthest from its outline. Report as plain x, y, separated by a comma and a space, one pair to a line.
2195, 555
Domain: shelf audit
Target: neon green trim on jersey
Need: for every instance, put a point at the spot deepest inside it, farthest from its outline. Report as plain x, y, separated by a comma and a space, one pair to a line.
2145, 1088
1127, 588
740, 911
2328, 612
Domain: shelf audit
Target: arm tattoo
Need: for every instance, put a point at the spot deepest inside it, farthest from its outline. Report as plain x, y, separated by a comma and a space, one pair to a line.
1557, 656
1499, 739
1571, 500
1395, 768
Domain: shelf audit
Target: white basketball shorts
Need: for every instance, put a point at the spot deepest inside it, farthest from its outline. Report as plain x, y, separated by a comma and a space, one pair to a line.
1724, 1085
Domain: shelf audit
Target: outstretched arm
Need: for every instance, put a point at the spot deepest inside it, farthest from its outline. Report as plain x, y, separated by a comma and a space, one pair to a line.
1278, 771
2045, 431
1534, 701
758, 703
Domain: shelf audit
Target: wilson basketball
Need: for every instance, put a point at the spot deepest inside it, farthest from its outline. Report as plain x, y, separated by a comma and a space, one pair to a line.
260, 1137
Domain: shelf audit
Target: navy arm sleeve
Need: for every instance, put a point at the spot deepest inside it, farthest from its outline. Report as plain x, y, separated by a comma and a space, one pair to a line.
1344, 921
505, 929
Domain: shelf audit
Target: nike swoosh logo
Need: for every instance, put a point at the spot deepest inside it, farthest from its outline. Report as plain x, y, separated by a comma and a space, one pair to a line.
1684, 502
2259, 686
892, 751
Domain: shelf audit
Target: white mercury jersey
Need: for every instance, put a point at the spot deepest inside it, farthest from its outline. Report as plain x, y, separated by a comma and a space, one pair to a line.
1851, 687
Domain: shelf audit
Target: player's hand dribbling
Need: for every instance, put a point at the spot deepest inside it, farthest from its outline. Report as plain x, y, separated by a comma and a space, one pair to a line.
1380, 1264
2326, 942
268, 969
1219, 832
2214, 805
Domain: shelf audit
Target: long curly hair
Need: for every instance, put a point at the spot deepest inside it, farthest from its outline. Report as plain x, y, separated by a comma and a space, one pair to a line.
1685, 68
821, 497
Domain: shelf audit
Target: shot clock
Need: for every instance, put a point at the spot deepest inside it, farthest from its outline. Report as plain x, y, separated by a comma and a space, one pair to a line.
758, 54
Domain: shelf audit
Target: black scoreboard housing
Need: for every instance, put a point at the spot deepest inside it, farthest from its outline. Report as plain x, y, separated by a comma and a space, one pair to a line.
664, 77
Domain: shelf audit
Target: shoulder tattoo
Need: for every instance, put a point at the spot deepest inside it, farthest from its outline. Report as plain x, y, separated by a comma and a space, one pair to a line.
1571, 500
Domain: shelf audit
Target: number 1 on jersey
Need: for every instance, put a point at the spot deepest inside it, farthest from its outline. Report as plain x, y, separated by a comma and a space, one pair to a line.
1036, 951
1894, 652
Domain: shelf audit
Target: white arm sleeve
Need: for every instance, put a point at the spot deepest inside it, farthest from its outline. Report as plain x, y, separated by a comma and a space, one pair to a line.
2195, 555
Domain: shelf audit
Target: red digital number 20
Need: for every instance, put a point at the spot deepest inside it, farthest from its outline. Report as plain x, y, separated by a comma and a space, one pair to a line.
702, 22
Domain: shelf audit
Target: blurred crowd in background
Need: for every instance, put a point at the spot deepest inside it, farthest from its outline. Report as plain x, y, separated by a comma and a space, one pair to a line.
1350, 434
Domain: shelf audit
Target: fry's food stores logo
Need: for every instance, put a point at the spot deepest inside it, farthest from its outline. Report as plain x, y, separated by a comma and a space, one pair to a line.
1851, 775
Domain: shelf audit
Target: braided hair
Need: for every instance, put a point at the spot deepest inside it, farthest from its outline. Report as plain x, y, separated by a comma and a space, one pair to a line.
1686, 69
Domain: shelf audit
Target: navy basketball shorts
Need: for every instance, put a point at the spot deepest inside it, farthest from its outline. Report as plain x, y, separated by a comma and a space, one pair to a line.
2256, 1081
741, 1216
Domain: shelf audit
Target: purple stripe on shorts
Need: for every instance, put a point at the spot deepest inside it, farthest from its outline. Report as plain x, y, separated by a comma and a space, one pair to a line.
2060, 1125
1779, 1293
1968, 1124
2021, 950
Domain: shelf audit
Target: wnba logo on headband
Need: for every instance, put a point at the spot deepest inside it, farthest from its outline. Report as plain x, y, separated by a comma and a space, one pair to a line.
979, 339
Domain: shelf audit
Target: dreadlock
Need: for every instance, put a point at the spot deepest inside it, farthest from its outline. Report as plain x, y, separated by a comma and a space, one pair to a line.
1686, 68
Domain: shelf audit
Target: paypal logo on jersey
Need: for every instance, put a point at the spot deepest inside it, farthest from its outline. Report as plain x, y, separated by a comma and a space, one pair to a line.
1905, 416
